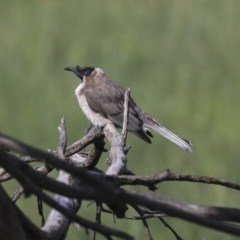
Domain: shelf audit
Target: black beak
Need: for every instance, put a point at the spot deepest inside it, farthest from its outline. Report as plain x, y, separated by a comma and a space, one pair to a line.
77, 70
71, 69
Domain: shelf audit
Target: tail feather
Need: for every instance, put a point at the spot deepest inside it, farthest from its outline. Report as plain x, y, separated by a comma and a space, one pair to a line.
185, 144
142, 135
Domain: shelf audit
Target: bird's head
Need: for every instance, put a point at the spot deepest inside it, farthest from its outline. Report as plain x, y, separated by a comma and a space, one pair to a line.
81, 72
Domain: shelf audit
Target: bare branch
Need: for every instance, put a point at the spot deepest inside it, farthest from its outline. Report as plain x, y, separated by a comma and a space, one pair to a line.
51, 159
125, 115
168, 176
98, 217
57, 223
84, 142
17, 194
147, 230
62, 144
118, 151
94, 155
117, 156
40, 210
87, 129
43, 169
149, 216
10, 226
170, 228
13, 223
100, 188
31, 188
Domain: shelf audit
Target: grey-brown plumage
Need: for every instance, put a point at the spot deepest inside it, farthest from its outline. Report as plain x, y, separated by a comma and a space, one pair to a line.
102, 101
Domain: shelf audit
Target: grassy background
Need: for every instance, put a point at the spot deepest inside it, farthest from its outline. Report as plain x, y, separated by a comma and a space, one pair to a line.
181, 60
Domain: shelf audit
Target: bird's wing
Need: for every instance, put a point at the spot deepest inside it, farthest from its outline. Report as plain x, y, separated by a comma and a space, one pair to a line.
107, 99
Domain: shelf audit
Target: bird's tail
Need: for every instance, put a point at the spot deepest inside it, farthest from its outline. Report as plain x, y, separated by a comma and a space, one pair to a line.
183, 143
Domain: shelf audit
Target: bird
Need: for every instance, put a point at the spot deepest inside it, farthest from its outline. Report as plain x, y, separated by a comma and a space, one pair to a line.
102, 101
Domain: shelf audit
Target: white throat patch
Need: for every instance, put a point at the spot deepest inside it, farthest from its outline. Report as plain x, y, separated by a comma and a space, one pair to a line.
95, 118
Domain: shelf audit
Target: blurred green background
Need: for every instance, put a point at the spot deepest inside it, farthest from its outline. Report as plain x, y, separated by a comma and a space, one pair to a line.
181, 61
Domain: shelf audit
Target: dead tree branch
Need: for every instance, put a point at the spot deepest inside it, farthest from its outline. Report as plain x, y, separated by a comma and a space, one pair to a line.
57, 223
75, 184
168, 176
125, 115
118, 151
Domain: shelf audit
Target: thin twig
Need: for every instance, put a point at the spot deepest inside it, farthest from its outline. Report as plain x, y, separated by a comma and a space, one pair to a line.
145, 216
110, 212
20, 190
145, 224
40, 210
170, 228
47, 168
17, 194
150, 214
98, 217
125, 114
87, 129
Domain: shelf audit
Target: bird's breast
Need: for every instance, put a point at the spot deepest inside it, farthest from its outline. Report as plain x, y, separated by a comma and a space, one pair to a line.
95, 118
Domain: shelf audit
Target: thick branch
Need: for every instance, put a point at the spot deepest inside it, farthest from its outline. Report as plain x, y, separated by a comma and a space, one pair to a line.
10, 225
117, 154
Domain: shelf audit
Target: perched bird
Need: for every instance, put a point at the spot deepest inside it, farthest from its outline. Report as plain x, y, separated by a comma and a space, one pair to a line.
102, 101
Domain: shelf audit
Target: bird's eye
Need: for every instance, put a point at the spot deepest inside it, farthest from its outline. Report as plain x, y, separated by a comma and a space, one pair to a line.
82, 71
